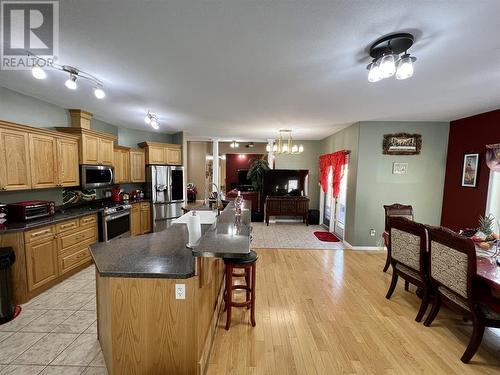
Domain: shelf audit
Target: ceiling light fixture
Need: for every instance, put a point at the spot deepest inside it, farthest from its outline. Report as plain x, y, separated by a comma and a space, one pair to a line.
285, 145
152, 119
387, 62
38, 73
74, 74
234, 144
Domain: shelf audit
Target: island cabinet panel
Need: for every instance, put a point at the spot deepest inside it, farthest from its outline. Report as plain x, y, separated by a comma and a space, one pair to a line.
135, 219
144, 329
137, 166
43, 156
67, 154
15, 168
41, 262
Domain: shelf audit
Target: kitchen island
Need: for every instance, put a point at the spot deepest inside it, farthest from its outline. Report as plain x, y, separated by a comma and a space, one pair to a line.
158, 302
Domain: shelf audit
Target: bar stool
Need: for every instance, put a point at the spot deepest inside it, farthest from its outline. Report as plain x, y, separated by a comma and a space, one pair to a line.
246, 264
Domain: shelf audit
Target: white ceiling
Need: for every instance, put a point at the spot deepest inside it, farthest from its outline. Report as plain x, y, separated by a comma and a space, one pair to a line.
242, 69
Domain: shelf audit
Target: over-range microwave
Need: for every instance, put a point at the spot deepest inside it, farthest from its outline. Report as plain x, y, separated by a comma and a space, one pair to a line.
96, 176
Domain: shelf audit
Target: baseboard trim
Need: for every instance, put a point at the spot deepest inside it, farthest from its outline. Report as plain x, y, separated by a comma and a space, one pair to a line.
363, 248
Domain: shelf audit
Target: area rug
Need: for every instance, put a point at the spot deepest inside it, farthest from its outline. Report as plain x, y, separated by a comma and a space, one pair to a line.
326, 236
282, 235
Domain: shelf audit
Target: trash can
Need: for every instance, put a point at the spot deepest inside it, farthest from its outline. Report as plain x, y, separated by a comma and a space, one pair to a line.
7, 307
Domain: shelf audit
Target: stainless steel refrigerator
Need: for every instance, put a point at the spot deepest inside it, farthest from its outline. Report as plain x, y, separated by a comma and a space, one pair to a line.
165, 185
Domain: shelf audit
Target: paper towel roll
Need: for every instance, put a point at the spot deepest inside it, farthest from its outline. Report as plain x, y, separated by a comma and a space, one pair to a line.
194, 229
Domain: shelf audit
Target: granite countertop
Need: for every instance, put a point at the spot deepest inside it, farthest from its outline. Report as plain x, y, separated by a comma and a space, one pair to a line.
72, 213
62, 214
164, 254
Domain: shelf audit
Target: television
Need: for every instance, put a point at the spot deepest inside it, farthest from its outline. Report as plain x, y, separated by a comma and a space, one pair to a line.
285, 182
242, 177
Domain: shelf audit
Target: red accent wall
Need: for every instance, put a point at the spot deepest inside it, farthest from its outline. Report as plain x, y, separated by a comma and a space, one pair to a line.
462, 206
234, 162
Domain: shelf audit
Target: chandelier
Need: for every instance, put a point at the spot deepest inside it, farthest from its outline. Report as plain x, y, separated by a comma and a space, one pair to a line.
387, 61
284, 144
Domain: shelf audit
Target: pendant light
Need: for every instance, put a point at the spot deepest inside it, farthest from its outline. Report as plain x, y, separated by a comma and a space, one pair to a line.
285, 146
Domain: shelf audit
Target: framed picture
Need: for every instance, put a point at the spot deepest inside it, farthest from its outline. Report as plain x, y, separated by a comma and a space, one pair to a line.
469, 171
402, 144
399, 168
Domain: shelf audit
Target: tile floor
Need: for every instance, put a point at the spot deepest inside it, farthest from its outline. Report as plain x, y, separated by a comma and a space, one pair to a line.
56, 332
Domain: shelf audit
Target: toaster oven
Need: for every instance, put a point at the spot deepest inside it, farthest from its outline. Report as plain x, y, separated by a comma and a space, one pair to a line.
23, 211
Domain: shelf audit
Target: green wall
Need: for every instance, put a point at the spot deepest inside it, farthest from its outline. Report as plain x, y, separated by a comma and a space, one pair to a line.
346, 139
307, 160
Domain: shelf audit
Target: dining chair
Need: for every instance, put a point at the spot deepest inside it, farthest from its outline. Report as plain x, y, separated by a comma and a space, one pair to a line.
394, 210
452, 259
408, 244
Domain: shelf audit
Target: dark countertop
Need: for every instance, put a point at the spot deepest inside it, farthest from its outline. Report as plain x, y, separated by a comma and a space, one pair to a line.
72, 213
60, 215
164, 254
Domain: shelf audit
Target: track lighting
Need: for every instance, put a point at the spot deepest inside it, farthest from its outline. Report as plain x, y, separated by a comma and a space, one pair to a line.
234, 144
152, 119
71, 82
38, 73
99, 93
74, 74
386, 60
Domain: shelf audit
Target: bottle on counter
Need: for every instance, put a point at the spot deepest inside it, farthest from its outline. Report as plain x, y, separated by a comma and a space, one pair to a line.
238, 202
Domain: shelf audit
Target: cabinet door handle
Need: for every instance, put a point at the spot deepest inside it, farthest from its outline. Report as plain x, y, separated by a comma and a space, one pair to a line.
40, 233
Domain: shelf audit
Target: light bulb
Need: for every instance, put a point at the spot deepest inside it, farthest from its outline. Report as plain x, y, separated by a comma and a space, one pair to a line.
99, 93
154, 124
285, 147
301, 148
268, 148
231, 144
147, 119
236, 144
374, 74
387, 66
71, 82
38, 72
295, 149
405, 67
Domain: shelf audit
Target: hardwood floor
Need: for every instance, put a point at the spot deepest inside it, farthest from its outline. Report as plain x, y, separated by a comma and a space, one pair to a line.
325, 312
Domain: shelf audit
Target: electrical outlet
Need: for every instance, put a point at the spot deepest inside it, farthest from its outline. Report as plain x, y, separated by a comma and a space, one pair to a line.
372, 232
180, 291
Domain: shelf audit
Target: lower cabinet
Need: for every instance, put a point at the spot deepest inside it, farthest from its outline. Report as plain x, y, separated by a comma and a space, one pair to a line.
54, 250
140, 218
41, 262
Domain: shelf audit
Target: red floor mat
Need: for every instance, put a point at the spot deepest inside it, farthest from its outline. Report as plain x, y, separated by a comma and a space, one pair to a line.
326, 237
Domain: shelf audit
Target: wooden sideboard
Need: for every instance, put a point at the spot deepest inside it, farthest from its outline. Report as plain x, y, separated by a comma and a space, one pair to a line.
287, 206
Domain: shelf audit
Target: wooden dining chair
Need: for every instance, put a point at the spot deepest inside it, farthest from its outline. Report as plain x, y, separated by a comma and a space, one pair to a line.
408, 244
452, 260
394, 210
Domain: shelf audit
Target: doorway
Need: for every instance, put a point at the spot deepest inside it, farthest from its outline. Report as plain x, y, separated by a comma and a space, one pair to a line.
333, 210
327, 201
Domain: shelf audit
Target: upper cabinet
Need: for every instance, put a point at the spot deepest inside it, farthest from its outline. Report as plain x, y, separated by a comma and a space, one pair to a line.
36, 158
15, 169
137, 165
162, 153
96, 148
121, 162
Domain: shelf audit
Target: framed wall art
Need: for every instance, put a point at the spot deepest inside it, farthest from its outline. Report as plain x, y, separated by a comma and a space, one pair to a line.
469, 171
402, 144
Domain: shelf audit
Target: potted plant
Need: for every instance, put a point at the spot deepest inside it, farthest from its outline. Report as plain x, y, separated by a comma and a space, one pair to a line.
256, 174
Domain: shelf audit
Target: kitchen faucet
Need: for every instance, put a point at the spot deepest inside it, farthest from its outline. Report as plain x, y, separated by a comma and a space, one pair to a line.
219, 205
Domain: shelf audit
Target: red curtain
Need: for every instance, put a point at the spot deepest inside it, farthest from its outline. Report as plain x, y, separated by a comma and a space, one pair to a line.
337, 161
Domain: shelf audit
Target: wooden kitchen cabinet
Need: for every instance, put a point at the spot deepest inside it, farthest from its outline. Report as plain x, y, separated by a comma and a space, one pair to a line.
15, 168
67, 155
105, 151
174, 155
145, 217
137, 165
135, 219
43, 159
162, 153
121, 162
41, 262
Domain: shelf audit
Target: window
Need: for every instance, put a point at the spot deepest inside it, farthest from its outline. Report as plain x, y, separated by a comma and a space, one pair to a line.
493, 204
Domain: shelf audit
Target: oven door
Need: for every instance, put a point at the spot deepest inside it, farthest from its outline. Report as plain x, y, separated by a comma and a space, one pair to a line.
116, 225
96, 176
